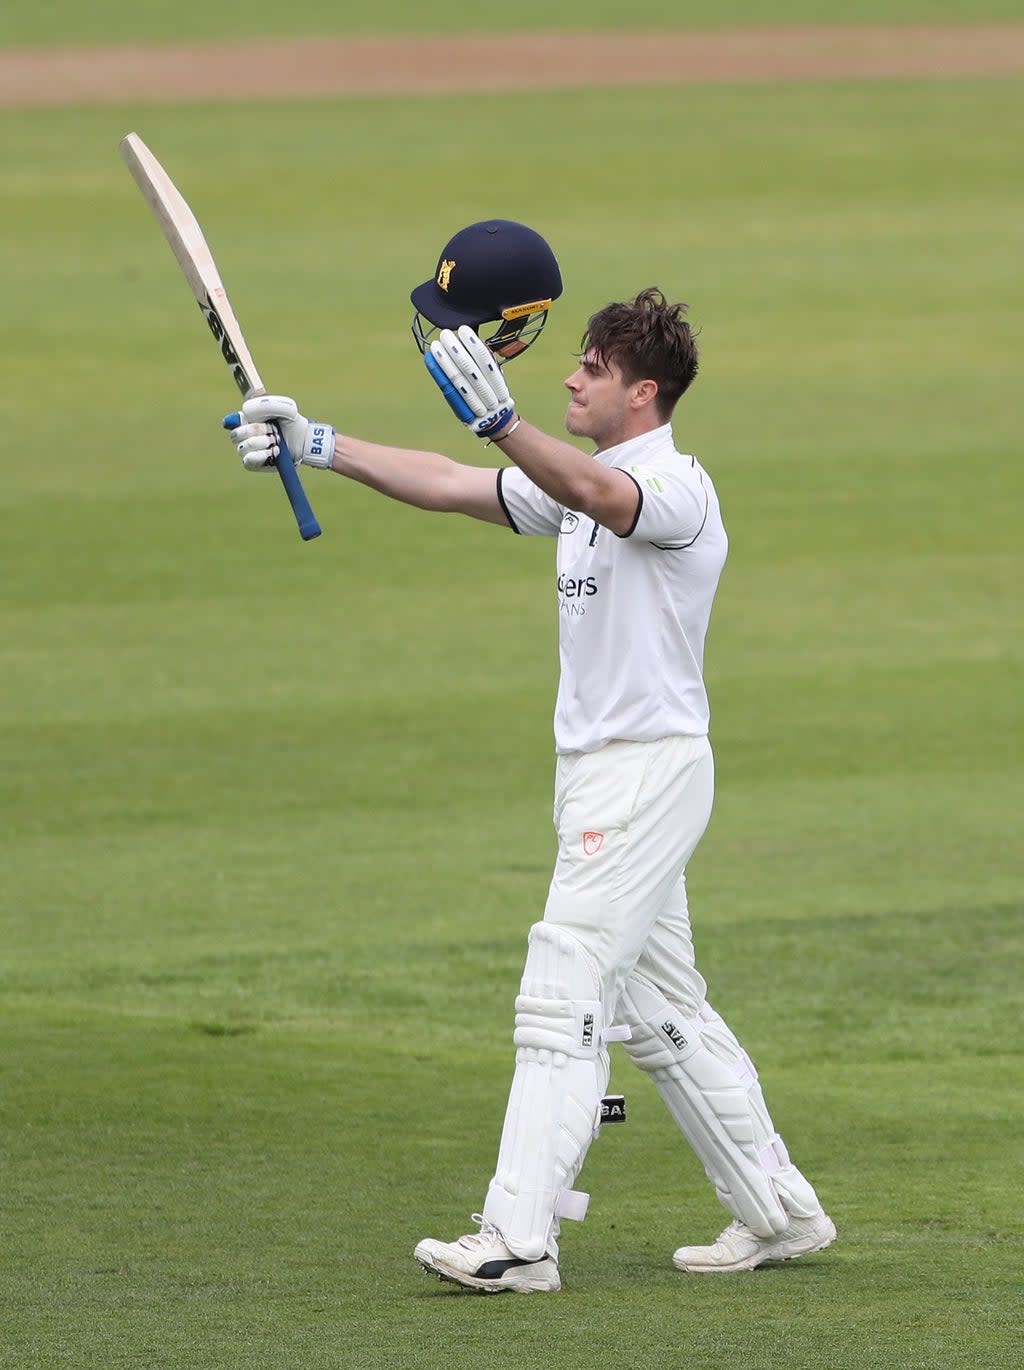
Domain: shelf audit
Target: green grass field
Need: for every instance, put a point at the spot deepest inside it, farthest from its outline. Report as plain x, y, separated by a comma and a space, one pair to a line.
275, 817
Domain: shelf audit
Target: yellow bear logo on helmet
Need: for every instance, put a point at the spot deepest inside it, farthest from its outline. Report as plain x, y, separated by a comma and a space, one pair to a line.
444, 274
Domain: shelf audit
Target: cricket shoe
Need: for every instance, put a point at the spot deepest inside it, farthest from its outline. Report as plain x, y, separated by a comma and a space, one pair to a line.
481, 1261
738, 1248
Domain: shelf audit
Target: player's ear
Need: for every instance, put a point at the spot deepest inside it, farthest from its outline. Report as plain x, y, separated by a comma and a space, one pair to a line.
644, 392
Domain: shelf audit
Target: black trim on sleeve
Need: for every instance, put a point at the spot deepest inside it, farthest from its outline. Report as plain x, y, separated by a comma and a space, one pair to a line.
639, 507
501, 501
682, 546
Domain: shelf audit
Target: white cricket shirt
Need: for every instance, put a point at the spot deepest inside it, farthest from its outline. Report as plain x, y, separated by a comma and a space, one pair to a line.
633, 611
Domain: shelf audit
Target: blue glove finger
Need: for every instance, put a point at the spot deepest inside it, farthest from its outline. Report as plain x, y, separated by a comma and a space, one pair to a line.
458, 405
232, 420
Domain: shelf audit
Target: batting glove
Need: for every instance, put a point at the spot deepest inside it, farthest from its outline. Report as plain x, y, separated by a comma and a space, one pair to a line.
257, 432
470, 379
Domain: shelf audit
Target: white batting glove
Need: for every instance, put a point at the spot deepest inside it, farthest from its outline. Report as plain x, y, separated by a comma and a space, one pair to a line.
470, 379
257, 431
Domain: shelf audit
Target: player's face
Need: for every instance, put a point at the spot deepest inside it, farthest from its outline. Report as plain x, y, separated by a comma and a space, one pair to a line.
598, 401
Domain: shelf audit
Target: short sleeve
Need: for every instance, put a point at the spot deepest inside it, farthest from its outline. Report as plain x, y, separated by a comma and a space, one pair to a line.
528, 509
673, 503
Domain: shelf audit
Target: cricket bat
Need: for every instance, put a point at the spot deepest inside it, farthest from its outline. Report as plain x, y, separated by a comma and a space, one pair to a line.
181, 229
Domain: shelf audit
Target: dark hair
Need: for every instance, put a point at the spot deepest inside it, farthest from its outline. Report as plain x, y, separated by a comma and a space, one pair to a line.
647, 339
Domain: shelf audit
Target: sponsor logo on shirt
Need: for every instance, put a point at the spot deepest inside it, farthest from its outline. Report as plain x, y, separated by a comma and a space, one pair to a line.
572, 591
570, 522
592, 843
570, 587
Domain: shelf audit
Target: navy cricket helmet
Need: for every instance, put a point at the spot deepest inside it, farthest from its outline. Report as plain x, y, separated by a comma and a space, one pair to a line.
494, 271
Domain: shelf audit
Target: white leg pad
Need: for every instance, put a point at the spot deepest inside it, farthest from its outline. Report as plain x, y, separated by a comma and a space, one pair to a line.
795, 1192
554, 1107
710, 1100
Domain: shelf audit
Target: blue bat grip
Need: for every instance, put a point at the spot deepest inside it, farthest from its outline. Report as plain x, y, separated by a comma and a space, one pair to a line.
302, 509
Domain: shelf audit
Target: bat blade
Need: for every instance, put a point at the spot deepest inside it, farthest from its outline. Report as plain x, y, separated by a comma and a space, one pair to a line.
192, 253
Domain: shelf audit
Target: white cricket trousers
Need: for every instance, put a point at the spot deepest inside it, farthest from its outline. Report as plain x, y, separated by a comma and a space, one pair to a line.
616, 924
628, 818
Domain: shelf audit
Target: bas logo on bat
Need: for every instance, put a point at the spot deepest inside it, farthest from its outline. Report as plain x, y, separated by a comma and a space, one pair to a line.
229, 354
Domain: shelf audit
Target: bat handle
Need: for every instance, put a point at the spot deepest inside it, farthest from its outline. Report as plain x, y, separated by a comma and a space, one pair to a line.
301, 507
304, 516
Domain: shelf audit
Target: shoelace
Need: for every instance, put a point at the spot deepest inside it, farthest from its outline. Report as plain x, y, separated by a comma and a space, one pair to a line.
487, 1233
735, 1228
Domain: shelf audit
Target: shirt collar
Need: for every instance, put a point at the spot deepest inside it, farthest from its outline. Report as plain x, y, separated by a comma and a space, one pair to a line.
652, 441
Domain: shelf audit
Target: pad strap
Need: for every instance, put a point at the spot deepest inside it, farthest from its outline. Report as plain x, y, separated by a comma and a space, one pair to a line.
572, 1204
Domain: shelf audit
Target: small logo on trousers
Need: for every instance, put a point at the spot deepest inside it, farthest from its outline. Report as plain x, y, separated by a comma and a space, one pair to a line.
592, 843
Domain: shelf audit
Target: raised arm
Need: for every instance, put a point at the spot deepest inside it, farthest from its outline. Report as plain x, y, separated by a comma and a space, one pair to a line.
475, 388
603, 493
426, 480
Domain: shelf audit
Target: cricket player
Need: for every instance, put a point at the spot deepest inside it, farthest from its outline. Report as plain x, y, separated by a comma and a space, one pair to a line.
640, 546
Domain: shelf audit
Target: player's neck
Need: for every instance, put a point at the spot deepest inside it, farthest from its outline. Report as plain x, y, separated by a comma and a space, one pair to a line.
625, 432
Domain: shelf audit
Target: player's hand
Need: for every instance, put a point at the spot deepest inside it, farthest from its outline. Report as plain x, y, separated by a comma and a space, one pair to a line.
257, 432
470, 379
